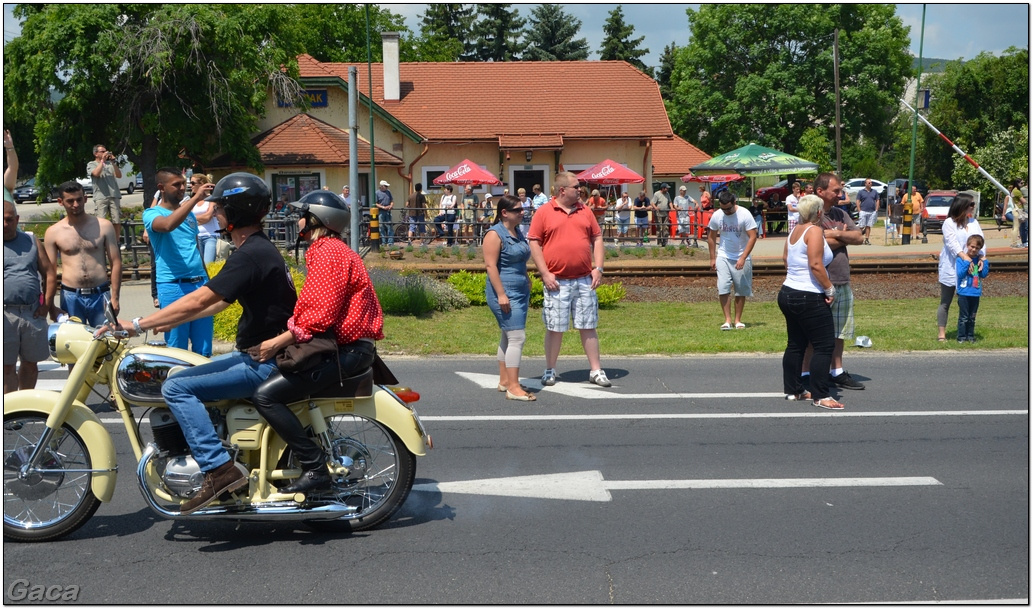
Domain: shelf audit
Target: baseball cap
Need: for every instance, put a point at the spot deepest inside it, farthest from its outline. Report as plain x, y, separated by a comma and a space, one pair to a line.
487, 196
683, 187
384, 183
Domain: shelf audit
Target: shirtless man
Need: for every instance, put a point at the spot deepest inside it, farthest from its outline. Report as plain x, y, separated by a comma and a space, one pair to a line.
87, 245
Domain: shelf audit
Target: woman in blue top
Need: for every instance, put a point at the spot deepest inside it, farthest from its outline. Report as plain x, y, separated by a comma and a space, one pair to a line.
508, 291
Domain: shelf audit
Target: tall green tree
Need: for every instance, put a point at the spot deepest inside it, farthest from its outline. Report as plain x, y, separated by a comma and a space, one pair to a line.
550, 36
763, 73
337, 32
665, 70
617, 42
161, 83
497, 32
973, 103
443, 22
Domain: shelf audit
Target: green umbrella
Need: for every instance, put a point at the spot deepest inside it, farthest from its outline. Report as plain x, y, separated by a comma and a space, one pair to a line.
753, 160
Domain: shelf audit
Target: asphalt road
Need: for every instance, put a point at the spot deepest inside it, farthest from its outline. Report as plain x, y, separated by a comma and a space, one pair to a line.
700, 485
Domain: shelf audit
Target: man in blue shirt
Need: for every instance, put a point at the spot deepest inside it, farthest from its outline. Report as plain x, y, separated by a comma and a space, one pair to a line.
868, 203
385, 203
172, 228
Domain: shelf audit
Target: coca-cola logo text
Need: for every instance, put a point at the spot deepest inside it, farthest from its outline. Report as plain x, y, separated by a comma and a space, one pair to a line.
461, 171
605, 171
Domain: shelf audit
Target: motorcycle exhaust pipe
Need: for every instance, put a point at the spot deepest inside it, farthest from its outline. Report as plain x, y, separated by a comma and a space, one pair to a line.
282, 511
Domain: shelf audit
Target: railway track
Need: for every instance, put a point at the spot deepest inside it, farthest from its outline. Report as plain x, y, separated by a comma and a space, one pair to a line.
763, 268
857, 267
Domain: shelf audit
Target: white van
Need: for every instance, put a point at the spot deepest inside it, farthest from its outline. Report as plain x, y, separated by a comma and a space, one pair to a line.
127, 182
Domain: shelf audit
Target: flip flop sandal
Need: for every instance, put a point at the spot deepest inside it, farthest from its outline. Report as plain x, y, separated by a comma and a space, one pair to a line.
740, 326
726, 326
828, 404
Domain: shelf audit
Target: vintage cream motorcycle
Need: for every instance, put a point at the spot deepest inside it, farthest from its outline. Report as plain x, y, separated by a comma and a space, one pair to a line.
59, 460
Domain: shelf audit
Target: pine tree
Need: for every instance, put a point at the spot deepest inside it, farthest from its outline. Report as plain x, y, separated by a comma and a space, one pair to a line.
496, 32
617, 43
442, 22
550, 36
666, 69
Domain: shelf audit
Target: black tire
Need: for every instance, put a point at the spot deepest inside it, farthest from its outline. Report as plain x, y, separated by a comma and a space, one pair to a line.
381, 476
130, 188
50, 505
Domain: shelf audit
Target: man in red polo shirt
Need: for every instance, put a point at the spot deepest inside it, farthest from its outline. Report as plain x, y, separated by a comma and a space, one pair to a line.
567, 248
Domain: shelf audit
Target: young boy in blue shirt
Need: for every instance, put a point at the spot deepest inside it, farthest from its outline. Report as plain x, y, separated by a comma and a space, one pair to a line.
970, 287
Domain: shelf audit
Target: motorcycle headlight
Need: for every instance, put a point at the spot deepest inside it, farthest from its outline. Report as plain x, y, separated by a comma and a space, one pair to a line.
52, 339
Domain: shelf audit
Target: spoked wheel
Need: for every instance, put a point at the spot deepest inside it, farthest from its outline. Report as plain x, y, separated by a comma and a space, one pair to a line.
381, 473
46, 505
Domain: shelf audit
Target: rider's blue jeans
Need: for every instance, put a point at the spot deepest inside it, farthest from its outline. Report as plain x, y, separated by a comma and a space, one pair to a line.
231, 376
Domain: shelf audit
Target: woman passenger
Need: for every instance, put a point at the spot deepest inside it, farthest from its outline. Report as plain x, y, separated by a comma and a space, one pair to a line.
337, 298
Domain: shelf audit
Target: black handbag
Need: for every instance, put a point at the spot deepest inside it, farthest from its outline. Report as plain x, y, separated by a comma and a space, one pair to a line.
299, 357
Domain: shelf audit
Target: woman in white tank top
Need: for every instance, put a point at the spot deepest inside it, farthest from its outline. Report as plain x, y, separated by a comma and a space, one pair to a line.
804, 301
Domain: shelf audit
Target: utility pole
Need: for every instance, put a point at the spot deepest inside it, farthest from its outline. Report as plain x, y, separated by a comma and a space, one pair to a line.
835, 71
905, 238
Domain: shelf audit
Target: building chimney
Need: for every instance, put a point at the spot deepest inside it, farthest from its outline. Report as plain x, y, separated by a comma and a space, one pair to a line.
392, 85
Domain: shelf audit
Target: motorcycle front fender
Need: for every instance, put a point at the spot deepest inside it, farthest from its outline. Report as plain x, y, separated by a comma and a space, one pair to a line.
85, 423
384, 408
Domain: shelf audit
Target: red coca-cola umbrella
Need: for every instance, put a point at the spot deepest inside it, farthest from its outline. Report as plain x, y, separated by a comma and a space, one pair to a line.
731, 177
465, 173
610, 173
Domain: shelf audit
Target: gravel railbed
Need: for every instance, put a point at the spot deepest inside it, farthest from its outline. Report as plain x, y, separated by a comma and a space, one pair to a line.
869, 286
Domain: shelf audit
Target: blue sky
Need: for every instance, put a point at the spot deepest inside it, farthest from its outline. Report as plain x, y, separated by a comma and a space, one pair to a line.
982, 27
951, 30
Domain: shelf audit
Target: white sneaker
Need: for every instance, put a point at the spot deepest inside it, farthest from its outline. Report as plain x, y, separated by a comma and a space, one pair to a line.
599, 378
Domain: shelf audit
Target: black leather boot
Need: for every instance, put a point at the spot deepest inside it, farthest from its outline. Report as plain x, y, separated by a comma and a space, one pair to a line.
314, 477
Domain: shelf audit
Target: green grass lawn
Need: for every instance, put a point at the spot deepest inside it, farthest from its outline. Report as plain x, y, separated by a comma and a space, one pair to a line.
679, 329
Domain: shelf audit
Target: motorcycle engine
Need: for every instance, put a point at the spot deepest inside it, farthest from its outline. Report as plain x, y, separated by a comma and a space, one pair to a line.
180, 473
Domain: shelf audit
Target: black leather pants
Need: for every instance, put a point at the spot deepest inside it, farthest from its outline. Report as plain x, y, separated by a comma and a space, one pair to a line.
272, 396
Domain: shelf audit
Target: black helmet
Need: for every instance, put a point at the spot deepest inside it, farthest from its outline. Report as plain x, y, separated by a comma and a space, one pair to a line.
244, 198
327, 208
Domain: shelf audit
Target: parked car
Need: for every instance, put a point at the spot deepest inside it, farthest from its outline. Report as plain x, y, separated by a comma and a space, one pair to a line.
900, 182
29, 192
937, 204
853, 186
777, 194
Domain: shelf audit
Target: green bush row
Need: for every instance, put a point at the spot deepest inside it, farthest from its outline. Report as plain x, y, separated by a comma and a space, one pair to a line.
399, 293
472, 286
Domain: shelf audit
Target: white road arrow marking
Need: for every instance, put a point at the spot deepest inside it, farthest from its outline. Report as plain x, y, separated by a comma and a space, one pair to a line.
594, 392
590, 485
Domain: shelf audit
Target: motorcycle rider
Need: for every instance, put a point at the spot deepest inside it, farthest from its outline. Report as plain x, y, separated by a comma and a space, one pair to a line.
256, 275
338, 298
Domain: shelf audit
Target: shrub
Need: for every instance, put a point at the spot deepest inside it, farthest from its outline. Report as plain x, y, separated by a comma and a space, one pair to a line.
610, 294
401, 293
470, 285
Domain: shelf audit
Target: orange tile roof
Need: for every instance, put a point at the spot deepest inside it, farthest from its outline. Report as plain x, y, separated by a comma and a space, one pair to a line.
482, 100
529, 140
675, 156
306, 140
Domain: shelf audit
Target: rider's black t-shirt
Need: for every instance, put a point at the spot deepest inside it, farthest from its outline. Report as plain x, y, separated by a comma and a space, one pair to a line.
256, 275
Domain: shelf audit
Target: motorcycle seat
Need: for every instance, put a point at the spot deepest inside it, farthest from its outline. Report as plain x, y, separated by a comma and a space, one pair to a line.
358, 386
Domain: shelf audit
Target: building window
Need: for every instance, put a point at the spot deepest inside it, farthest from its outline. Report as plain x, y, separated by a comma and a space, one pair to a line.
291, 187
430, 172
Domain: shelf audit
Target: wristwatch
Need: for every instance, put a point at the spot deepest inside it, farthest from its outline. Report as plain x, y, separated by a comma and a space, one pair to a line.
600, 269
136, 326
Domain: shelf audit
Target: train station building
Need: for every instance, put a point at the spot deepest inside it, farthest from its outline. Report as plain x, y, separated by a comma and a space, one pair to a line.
521, 121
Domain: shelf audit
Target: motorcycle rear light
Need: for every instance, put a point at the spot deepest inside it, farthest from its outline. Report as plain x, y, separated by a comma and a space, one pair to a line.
406, 395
